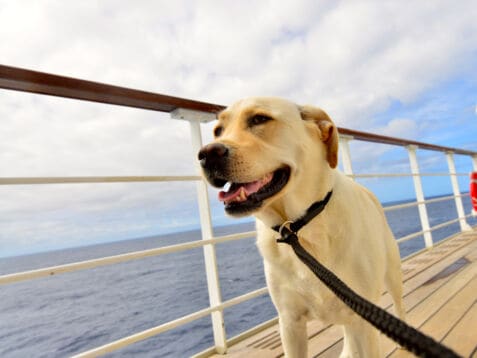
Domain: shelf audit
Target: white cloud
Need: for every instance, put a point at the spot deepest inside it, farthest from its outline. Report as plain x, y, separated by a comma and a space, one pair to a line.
401, 128
351, 58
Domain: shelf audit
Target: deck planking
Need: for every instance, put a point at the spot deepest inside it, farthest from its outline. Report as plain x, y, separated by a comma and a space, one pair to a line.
440, 295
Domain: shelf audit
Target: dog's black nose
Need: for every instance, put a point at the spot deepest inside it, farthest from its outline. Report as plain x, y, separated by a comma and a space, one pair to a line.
213, 156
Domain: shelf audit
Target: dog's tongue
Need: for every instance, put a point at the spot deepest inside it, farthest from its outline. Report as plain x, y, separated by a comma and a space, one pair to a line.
235, 190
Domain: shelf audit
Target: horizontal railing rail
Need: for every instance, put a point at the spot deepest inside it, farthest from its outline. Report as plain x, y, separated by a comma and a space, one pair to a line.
110, 260
416, 203
18, 79
393, 175
433, 228
126, 341
163, 178
92, 180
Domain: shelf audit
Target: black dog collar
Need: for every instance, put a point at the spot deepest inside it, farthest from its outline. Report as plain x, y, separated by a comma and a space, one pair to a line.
294, 226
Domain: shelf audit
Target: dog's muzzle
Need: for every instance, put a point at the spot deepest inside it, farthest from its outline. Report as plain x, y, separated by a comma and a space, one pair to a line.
240, 197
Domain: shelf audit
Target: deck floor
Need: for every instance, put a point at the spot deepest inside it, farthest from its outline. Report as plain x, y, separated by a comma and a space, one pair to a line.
440, 291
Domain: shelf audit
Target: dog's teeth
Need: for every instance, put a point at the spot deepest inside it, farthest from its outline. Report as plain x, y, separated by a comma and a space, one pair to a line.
243, 196
227, 186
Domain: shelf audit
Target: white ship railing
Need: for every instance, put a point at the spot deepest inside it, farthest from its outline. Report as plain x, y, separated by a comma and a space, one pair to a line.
195, 113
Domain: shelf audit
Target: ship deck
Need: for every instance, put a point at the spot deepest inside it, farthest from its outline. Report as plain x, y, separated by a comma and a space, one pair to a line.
440, 294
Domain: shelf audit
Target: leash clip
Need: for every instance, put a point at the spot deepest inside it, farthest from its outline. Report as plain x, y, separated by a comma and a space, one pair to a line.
286, 234
284, 225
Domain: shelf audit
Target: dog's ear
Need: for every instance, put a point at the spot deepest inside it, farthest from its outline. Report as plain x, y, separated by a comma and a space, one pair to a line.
327, 129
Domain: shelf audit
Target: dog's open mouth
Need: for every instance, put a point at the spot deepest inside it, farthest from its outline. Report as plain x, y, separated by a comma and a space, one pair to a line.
240, 198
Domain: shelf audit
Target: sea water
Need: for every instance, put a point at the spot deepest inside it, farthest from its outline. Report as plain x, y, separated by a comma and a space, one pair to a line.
66, 314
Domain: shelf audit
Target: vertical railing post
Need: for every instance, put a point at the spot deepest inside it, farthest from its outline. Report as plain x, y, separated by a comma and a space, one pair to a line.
420, 195
455, 188
346, 155
213, 284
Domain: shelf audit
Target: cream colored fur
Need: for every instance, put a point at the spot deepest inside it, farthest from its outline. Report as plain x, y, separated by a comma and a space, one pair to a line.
350, 237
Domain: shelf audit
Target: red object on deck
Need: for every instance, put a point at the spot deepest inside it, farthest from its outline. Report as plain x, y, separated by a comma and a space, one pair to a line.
473, 189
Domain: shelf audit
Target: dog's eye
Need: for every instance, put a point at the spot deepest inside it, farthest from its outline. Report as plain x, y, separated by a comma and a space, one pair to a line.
258, 119
218, 131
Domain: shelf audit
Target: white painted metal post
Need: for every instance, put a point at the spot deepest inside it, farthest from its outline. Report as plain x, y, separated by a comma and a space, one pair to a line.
213, 284
420, 195
345, 154
455, 188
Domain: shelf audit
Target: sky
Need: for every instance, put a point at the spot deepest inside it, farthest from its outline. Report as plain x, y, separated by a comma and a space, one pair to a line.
376, 66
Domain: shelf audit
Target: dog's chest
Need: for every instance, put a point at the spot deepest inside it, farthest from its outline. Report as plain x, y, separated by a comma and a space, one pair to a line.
295, 288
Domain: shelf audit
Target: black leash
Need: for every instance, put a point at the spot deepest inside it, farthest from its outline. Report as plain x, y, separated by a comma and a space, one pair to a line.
400, 332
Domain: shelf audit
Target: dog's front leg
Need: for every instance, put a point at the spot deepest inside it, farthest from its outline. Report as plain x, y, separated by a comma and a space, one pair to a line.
294, 337
361, 340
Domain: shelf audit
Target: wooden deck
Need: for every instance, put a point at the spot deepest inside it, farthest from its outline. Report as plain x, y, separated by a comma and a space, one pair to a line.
440, 291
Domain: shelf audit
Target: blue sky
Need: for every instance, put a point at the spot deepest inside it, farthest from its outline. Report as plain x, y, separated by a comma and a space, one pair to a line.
447, 105
445, 114
373, 66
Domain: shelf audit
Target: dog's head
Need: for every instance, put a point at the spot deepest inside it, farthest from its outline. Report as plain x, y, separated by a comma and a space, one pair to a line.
263, 149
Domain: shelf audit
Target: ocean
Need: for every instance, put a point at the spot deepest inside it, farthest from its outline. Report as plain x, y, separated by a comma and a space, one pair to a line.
67, 314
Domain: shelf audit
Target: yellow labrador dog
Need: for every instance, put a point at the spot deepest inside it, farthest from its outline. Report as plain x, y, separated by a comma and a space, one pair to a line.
274, 160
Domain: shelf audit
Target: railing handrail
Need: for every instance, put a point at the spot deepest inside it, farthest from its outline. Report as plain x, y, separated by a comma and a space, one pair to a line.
20, 79
378, 138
